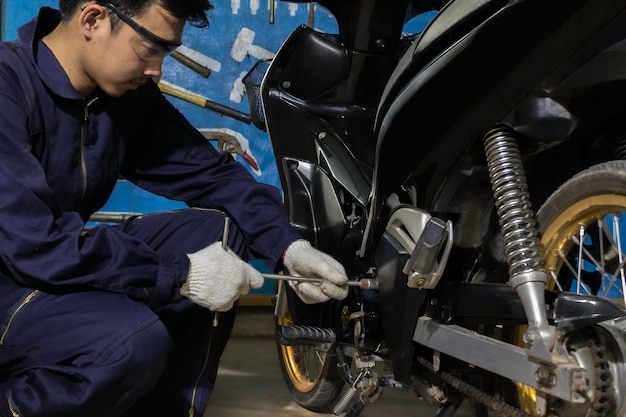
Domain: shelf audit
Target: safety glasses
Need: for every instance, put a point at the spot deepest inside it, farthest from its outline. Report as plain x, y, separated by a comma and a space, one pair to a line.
149, 47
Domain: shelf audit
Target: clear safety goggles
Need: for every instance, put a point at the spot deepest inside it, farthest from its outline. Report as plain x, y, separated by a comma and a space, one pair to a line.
148, 46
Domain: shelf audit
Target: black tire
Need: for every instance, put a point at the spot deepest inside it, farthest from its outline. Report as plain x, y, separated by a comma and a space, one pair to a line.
590, 203
312, 377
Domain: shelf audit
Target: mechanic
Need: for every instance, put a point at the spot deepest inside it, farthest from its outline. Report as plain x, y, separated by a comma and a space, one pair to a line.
117, 320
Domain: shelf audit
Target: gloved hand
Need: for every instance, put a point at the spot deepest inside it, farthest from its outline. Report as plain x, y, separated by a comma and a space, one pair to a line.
217, 277
302, 259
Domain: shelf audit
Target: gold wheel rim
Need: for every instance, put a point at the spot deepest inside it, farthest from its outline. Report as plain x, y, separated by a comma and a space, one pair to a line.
293, 359
556, 240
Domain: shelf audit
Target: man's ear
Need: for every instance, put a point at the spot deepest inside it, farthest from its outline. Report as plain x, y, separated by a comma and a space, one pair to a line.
92, 18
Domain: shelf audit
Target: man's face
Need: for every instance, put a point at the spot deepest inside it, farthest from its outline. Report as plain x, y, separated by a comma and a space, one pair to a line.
126, 58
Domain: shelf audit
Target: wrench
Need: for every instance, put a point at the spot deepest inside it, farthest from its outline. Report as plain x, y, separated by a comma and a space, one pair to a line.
366, 284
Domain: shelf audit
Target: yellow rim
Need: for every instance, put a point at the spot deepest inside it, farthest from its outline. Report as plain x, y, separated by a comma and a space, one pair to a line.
557, 240
297, 363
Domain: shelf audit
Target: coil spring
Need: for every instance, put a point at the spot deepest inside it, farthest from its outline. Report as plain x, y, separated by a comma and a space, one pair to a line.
347, 399
515, 215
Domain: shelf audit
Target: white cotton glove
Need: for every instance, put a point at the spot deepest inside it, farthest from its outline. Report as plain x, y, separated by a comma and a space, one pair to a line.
302, 259
217, 277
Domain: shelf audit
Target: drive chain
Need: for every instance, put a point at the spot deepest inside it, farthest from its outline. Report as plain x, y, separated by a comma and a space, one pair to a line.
474, 393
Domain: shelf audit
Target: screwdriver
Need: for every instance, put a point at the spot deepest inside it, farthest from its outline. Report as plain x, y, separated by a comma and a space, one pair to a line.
366, 284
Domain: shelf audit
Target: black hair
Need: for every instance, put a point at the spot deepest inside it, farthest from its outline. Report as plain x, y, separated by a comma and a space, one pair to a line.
196, 12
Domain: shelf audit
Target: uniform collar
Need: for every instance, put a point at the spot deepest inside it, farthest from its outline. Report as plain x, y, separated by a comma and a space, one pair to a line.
44, 61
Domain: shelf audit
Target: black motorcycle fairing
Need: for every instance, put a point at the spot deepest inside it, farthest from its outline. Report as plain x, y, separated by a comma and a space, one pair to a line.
505, 67
451, 24
343, 101
315, 55
595, 72
321, 131
371, 26
321, 219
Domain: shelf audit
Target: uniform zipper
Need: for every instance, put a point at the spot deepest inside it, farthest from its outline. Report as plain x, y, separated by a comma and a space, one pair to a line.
13, 412
26, 300
204, 366
83, 137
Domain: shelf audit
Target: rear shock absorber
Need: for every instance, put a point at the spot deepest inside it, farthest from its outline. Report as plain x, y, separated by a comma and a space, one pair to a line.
519, 231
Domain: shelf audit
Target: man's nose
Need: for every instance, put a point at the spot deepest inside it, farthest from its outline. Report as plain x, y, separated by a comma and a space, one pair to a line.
154, 69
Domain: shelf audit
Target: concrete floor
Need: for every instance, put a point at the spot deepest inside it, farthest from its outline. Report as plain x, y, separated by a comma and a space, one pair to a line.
250, 383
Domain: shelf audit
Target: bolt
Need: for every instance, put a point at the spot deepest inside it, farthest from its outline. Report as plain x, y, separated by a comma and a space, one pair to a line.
545, 377
530, 337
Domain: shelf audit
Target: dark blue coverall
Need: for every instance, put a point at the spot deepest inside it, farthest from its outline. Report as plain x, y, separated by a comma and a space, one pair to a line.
93, 323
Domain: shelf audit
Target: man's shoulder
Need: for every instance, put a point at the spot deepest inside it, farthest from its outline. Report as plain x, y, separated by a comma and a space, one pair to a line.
13, 53
10, 49
14, 64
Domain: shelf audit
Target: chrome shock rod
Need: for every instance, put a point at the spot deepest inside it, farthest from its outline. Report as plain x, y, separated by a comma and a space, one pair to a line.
521, 242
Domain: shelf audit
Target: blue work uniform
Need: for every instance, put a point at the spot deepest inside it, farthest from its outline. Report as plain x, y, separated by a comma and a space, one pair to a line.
92, 322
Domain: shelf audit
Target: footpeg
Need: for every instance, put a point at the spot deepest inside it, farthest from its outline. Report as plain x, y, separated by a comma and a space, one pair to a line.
298, 335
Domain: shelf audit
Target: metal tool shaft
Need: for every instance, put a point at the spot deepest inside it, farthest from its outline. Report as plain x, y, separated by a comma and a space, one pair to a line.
225, 247
363, 283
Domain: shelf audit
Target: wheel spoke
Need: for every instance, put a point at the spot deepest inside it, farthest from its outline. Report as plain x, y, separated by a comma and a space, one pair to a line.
618, 241
572, 270
581, 240
586, 262
556, 280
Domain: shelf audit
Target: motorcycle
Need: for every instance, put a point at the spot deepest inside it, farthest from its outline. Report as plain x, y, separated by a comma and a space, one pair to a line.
471, 179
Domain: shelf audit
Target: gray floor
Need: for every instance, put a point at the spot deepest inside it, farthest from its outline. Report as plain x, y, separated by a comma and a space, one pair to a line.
250, 383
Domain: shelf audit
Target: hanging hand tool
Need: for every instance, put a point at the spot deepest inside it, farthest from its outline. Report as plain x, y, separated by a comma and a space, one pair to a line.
311, 17
179, 92
190, 63
228, 141
204, 61
244, 46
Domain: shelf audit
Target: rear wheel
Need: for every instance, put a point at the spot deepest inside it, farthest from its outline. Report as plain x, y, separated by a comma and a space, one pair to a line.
584, 243
583, 236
